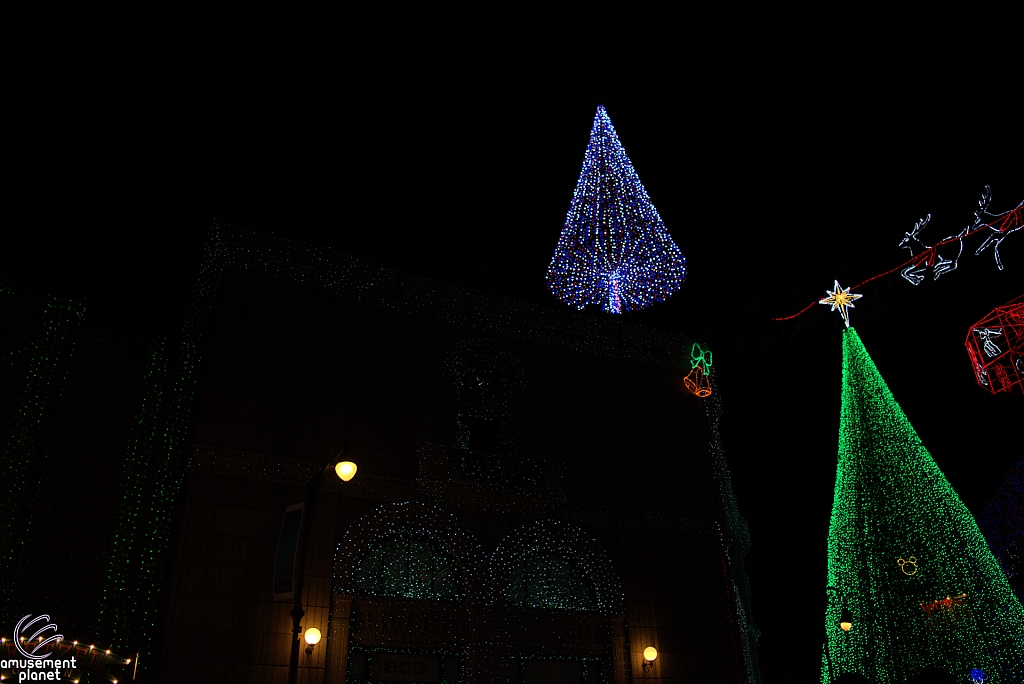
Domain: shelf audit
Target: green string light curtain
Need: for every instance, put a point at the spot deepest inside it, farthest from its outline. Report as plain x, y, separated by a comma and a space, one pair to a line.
950, 606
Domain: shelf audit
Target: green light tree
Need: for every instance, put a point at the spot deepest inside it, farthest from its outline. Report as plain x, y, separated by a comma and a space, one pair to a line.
906, 556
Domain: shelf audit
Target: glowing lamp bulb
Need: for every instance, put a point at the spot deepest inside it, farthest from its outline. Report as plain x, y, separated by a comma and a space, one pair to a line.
346, 471
108, 651
846, 620
650, 654
312, 636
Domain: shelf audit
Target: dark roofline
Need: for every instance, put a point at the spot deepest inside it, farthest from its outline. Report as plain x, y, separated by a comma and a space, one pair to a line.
374, 285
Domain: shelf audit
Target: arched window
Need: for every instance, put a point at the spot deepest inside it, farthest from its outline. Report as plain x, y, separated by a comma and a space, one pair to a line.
551, 580
408, 566
488, 383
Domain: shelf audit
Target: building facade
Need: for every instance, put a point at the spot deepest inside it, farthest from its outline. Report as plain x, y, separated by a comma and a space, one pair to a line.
538, 497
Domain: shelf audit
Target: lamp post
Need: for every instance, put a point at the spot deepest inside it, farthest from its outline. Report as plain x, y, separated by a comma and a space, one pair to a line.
345, 470
845, 623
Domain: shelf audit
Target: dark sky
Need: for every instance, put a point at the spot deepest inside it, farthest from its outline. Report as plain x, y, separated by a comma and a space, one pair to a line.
775, 173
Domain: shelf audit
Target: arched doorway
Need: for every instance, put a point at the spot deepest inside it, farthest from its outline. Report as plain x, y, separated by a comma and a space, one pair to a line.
564, 604
414, 600
405, 576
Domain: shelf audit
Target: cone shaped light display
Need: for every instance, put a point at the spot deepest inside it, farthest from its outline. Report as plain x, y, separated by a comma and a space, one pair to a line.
905, 554
614, 250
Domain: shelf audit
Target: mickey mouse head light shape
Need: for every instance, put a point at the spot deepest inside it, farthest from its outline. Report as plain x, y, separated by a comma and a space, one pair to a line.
909, 566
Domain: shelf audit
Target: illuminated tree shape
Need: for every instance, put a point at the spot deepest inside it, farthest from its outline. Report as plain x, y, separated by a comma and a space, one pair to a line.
614, 250
956, 611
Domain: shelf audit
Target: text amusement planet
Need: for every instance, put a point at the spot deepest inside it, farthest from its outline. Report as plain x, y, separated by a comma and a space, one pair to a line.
35, 667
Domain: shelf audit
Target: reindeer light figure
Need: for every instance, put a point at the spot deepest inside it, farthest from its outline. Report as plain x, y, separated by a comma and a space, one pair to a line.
925, 257
1011, 221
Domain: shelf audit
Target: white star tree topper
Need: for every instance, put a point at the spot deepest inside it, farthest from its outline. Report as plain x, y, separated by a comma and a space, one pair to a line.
840, 299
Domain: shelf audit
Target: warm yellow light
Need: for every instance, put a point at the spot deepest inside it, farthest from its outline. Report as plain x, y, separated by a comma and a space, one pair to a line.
127, 661
846, 620
108, 651
650, 653
346, 470
92, 646
312, 636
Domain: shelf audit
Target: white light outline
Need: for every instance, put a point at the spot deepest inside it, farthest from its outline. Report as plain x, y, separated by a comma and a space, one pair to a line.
18, 629
841, 299
927, 256
990, 348
997, 238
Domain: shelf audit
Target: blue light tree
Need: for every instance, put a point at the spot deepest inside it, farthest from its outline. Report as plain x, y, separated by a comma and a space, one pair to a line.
614, 250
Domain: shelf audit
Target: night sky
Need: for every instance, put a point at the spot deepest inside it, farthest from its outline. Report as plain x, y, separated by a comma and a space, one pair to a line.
775, 176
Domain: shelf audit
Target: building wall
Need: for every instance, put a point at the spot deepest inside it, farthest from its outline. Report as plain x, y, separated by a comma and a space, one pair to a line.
90, 427
292, 372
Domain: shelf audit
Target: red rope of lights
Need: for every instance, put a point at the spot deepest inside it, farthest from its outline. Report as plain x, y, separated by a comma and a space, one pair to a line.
1006, 221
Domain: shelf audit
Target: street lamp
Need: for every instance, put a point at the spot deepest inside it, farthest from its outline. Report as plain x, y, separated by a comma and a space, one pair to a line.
345, 470
650, 655
846, 619
312, 638
845, 623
